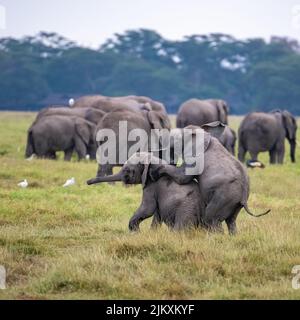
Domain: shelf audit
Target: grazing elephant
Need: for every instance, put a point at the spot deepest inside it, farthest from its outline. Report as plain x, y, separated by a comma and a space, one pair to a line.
60, 133
198, 112
145, 120
223, 184
179, 207
261, 131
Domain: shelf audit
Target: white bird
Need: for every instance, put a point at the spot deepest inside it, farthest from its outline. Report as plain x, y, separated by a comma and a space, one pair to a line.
69, 182
255, 164
71, 102
31, 157
23, 184
87, 157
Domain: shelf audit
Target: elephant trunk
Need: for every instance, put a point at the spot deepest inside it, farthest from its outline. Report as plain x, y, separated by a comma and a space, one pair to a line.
111, 178
293, 149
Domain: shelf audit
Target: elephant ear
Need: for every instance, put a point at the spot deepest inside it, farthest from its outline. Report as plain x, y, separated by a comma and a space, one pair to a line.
289, 123
158, 120
94, 115
215, 128
222, 111
84, 129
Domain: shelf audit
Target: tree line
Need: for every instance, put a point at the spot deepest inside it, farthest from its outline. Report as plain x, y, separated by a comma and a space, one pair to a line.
251, 74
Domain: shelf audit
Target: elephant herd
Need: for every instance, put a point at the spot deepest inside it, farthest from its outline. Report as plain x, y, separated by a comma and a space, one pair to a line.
169, 195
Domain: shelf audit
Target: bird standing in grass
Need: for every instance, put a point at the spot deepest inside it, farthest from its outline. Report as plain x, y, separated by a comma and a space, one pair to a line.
69, 182
255, 164
23, 184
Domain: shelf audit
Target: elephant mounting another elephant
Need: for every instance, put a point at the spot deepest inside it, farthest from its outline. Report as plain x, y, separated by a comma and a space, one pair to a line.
223, 186
261, 132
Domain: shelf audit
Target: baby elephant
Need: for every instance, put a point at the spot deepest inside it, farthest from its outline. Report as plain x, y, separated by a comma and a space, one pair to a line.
178, 206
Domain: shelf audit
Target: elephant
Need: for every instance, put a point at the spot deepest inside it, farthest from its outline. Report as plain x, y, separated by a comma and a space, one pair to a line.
198, 112
261, 131
90, 114
179, 207
130, 103
145, 120
228, 139
223, 183
60, 133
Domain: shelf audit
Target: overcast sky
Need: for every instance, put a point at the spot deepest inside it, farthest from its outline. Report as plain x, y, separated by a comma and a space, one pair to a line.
91, 22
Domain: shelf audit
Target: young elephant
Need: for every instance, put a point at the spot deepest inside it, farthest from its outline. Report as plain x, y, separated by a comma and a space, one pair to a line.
179, 207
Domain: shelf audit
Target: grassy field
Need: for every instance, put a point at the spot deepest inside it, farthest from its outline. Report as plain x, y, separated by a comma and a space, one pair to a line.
70, 243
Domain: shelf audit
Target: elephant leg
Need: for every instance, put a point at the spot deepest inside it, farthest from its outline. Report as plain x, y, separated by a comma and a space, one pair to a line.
186, 221
241, 153
68, 154
280, 153
100, 171
273, 155
220, 208
156, 221
210, 218
231, 221
253, 155
80, 148
146, 209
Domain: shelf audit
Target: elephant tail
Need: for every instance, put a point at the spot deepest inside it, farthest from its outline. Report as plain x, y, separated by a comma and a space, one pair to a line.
245, 206
30, 145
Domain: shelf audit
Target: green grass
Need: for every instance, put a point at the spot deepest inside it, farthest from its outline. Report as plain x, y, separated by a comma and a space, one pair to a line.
74, 243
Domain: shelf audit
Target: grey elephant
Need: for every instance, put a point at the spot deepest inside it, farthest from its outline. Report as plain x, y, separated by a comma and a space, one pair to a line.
198, 112
179, 207
60, 133
137, 104
223, 184
261, 132
90, 114
144, 120
131, 101
228, 139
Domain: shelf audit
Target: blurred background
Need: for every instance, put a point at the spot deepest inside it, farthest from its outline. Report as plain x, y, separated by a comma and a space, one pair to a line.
247, 53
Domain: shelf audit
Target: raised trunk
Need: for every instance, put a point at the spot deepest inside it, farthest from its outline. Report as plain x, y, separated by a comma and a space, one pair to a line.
112, 178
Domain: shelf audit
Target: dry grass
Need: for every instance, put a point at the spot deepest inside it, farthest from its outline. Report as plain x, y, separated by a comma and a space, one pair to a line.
74, 243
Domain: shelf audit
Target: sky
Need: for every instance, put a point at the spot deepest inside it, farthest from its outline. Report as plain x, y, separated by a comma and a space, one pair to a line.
91, 22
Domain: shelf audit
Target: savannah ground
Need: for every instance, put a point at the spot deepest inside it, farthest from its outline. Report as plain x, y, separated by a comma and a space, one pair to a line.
71, 243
